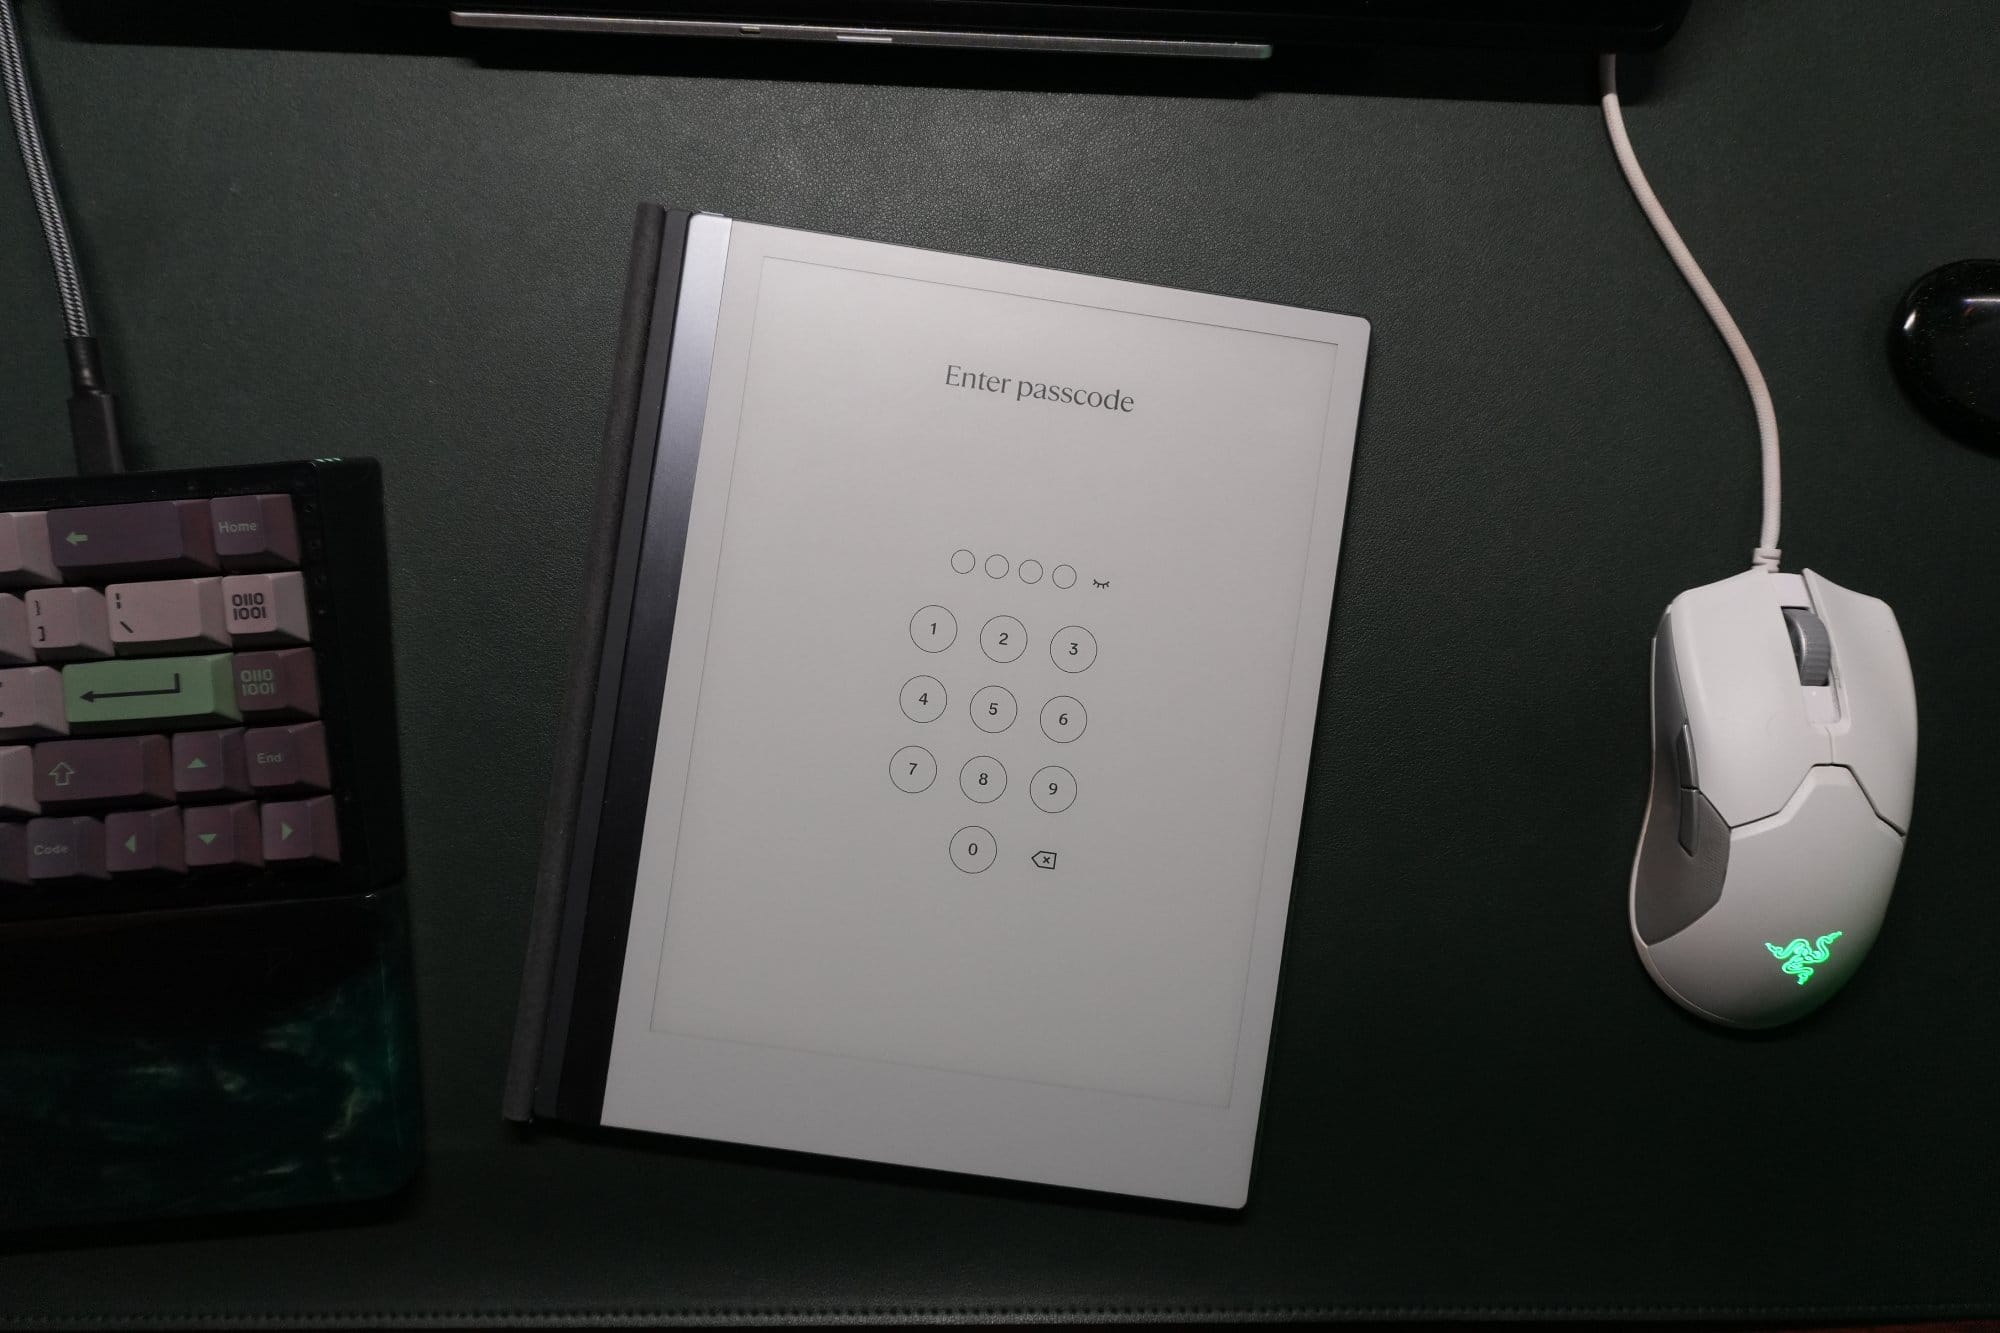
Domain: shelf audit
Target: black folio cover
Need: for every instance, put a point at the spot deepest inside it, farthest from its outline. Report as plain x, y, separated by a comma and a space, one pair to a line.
555, 1043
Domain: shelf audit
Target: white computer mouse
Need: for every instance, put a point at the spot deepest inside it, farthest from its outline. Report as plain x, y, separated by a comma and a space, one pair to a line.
1784, 759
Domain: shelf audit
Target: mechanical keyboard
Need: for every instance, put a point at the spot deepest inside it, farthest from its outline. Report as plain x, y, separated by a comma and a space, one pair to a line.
196, 700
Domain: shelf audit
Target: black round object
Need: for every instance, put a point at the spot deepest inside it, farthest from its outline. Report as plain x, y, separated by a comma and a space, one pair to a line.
1945, 346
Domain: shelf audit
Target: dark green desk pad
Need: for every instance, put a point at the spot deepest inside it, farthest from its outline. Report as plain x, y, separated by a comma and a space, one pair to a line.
1477, 1100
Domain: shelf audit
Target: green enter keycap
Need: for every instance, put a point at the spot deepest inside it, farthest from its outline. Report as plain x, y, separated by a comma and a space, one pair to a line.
164, 691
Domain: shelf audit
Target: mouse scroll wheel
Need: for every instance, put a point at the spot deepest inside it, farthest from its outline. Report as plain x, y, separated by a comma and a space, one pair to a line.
1812, 649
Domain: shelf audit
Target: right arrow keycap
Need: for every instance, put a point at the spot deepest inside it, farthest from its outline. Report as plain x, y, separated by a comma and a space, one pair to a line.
301, 830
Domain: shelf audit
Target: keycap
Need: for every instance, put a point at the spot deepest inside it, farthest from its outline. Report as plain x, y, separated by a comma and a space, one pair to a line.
13, 854
31, 704
138, 842
210, 763
272, 686
267, 608
156, 538
65, 847
25, 558
286, 758
170, 616
16, 647
222, 835
255, 531
68, 624
168, 692
118, 770
301, 830
17, 781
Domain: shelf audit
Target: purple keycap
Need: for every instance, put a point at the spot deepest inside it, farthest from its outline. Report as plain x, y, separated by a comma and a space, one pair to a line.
25, 558
222, 835
287, 758
25, 555
68, 848
17, 781
301, 830
17, 644
155, 538
13, 853
31, 704
281, 683
210, 763
139, 841
255, 531
118, 770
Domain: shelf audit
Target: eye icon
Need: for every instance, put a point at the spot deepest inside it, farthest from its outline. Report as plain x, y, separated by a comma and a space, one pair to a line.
1099, 583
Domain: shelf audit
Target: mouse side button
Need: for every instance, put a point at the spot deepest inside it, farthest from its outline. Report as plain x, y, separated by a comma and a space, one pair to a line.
1682, 863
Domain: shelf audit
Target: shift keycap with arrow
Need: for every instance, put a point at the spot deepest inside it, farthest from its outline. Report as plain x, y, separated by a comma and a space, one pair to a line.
168, 692
114, 770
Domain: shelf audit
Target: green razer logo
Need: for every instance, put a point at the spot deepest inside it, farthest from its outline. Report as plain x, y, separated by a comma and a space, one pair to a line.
1799, 957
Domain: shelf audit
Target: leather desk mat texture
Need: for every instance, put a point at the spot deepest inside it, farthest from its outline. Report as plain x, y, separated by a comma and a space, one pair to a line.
1478, 1103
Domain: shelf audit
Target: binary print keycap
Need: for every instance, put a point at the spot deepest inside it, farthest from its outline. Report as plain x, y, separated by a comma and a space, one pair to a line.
195, 698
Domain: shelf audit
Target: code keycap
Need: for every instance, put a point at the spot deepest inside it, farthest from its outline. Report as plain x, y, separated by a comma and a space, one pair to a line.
69, 847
